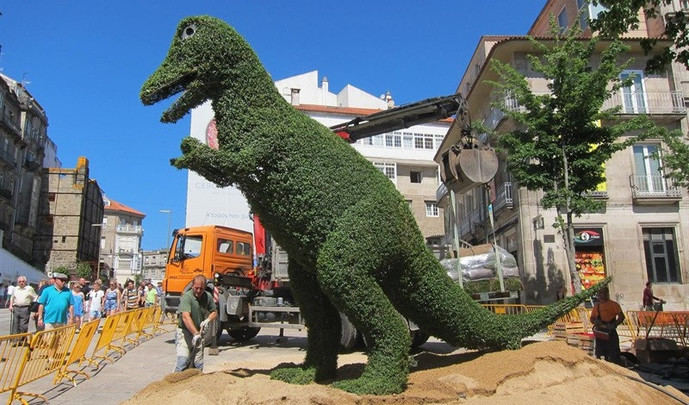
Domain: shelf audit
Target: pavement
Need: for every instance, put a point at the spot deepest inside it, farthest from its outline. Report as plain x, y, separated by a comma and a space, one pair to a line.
150, 361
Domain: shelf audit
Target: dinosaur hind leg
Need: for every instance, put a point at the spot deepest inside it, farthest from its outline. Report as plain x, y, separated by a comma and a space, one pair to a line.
323, 328
347, 276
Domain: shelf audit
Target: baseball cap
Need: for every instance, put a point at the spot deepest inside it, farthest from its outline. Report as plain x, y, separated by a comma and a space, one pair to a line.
61, 276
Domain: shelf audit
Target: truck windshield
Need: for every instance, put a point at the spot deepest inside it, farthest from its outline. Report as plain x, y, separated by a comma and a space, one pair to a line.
192, 246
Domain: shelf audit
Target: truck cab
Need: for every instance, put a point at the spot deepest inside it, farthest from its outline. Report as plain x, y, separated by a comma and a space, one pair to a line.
208, 250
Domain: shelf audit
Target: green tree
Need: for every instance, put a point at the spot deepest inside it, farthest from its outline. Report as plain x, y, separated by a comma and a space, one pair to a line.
83, 269
559, 146
621, 15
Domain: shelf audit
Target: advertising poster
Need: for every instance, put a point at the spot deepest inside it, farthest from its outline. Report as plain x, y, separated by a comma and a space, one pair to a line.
589, 255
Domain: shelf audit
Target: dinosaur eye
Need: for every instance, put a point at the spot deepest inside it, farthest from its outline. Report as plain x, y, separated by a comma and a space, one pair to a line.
188, 31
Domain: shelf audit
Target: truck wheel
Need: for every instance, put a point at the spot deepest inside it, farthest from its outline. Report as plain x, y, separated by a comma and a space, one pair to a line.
244, 333
418, 338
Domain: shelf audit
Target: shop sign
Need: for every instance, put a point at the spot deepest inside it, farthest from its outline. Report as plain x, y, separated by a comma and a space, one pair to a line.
588, 237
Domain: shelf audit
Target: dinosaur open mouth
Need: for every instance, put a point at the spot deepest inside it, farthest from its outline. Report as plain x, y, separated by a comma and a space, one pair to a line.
154, 92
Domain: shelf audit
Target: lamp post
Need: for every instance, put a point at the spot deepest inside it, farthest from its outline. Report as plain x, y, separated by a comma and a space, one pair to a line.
169, 217
99, 248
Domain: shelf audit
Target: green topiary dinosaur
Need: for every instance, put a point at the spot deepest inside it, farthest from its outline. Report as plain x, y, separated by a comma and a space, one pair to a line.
352, 241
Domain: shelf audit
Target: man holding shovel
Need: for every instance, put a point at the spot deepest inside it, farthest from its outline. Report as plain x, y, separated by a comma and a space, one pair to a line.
197, 310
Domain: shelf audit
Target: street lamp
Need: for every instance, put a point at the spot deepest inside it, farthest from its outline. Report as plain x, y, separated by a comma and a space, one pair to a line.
169, 217
99, 249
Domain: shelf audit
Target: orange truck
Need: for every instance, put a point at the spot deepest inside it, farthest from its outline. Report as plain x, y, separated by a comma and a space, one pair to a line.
248, 297
206, 250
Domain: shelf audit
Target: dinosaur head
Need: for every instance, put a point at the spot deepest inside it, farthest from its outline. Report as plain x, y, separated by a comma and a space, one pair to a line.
203, 53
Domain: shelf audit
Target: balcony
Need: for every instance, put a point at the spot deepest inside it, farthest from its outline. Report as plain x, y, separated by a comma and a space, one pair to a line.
503, 199
7, 159
10, 121
440, 193
654, 190
662, 103
652, 103
136, 229
31, 163
5, 192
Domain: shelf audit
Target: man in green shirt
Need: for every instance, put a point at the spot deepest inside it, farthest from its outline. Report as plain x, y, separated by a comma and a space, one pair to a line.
197, 310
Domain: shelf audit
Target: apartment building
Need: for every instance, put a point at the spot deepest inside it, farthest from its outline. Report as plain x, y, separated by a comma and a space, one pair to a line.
639, 236
69, 214
404, 156
120, 241
23, 125
154, 265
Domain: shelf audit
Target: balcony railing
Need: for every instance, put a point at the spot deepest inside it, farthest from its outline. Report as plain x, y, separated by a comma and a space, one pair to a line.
11, 121
503, 199
654, 188
129, 228
645, 102
7, 158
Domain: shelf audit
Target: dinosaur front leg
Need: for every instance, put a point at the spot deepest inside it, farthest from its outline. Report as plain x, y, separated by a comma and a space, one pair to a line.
346, 267
323, 328
216, 166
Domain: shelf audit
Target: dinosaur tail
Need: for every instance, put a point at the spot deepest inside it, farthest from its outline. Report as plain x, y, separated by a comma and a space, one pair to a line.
442, 309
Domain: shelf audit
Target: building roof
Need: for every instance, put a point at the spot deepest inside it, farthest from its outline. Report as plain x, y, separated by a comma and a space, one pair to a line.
112, 205
345, 110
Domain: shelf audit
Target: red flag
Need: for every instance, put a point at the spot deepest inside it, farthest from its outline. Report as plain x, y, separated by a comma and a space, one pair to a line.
259, 237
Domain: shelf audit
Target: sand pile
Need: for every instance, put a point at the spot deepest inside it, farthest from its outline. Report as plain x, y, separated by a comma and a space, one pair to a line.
541, 373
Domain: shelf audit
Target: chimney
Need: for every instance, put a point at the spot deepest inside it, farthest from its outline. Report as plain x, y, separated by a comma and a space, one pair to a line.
294, 97
324, 90
389, 100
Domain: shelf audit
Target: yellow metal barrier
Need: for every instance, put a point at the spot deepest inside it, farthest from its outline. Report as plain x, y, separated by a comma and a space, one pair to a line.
122, 330
146, 321
137, 322
13, 351
667, 324
47, 353
157, 320
505, 309
78, 353
105, 340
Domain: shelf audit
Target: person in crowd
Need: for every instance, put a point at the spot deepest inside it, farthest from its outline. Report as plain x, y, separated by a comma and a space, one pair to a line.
78, 302
42, 285
113, 298
151, 295
130, 297
85, 289
649, 298
606, 316
96, 300
55, 307
142, 290
8, 293
197, 310
20, 301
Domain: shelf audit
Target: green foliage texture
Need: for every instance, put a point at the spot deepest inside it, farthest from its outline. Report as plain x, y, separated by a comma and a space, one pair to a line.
353, 243
621, 15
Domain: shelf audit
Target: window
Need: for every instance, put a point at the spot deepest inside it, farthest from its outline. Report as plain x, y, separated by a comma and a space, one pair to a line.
648, 177
225, 246
415, 177
562, 19
243, 248
660, 251
407, 140
431, 209
191, 246
633, 96
388, 169
409, 203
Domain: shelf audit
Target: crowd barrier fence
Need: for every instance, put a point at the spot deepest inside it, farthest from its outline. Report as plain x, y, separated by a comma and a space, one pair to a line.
78, 353
46, 354
13, 350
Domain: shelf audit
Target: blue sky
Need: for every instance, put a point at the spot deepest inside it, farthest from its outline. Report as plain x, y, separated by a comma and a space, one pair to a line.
85, 62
